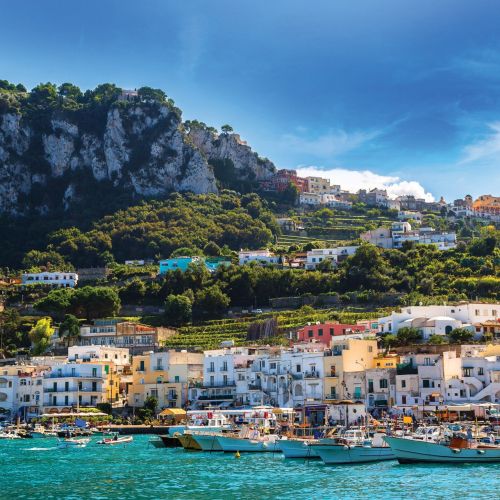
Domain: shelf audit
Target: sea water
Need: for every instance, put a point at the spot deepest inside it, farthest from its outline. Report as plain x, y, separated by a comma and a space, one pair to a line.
38, 469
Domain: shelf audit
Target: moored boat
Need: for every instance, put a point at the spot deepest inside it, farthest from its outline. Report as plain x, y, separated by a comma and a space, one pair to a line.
170, 441
455, 450
207, 440
115, 439
188, 442
297, 448
249, 441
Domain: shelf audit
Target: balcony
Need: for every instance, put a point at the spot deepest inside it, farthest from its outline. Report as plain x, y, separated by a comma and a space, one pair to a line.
219, 384
216, 397
73, 375
311, 375
254, 387
297, 376
172, 397
211, 370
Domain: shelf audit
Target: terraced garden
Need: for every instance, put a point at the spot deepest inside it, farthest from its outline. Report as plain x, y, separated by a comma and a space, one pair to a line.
210, 334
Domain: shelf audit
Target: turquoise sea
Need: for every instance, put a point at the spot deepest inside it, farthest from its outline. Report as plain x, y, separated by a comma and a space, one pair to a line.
37, 469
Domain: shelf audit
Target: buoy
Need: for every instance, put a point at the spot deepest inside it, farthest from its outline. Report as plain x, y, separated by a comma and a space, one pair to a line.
237, 455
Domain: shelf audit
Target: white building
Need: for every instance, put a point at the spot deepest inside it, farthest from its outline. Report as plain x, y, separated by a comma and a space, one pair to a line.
405, 215
441, 318
262, 257
401, 232
71, 385
310, 199
21, 391
333, 255
55, 279
119, 356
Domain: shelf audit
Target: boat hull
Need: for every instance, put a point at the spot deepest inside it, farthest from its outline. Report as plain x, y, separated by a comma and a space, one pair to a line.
188, 442
171, 441
413, 451
340, 454
208, 442
295, 448
231, 444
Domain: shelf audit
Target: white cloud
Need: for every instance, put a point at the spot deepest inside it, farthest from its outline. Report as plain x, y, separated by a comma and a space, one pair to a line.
484, 150
353, 180
328, 145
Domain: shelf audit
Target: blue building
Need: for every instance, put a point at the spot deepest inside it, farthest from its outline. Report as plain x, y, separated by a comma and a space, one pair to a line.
182, 263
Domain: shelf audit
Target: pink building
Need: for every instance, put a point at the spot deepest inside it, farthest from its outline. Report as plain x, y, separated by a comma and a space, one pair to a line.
324, 332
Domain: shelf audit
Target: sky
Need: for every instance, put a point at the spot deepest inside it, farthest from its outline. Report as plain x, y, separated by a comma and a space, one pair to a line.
397, 93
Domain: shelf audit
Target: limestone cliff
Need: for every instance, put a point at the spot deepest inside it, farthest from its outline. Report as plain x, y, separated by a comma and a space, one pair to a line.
48, 160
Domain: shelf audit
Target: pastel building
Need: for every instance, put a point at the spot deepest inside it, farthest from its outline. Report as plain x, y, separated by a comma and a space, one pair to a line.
261, 257
324, 332
183, 263
334, 255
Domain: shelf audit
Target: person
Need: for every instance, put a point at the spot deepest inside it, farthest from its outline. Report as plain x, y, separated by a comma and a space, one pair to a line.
469, 434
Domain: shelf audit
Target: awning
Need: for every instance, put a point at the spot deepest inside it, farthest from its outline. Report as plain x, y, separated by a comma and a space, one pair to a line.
172, 411
459, 408
277, 411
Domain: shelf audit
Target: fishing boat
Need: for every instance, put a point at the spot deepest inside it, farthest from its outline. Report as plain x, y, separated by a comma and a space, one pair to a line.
298, 448
457, 449
74, 442
354, 447
115, 439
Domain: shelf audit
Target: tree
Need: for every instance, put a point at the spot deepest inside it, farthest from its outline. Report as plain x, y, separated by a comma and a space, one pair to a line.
95, 302
436, 339
40, 335
49, 260
69, 328
408, 335
211, 301
461, 336
178, 309
10, 336
227, 129
57, 302
148, 93
211, 249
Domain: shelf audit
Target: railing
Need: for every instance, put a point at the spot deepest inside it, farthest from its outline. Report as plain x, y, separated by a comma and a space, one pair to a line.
297, 376
220, 384
72, 375
215, 397
406, 369
311, 375
254, 387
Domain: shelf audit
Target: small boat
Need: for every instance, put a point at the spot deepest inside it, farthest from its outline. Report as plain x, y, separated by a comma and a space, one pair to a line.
455, 450
74, 442
156, 442
9, 434
298, 448
115, 439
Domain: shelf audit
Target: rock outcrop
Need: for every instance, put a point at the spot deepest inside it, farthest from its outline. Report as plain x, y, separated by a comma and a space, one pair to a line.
139, 147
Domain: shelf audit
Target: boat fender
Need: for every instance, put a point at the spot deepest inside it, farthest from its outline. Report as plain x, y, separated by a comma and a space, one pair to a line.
237, 455
456, 450
480, 452
346, 447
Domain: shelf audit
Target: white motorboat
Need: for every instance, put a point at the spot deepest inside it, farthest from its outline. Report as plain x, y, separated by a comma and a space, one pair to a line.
115, 439
207, 440
249, 440
455, 450
353, 447
9, 434
74, 442
298, 448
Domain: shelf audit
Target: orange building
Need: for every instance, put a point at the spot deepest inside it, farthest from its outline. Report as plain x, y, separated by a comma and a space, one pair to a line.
487, 204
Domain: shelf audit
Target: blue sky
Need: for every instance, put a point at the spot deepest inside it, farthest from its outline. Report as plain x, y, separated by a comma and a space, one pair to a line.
378, 92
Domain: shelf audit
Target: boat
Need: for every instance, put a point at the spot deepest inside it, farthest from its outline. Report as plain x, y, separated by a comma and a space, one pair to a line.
115, 439
170, 441
298, 448
354, 447
249, 440
187, 441
457, 449
74, 442
156, 442
9, 434
207, 440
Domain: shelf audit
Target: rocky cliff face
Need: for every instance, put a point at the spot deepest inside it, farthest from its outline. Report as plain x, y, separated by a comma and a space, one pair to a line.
140, 148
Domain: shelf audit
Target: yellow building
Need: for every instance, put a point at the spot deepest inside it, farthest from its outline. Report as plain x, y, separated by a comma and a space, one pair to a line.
346, 356
487, 204
165, 376
387, 361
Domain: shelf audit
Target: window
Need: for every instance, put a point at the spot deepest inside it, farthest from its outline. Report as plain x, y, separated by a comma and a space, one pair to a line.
333, 392
310, 333
427, 361
403, 384
331, 331
370, 385
426, 383
23, 381
176, 378
66, 386
94, 372
224, 379
272, 366
224, 366
480, 371
494, 313
298, 368
320, 332
383, 383
141, 366
212, 380
154, 393
403, 400
370, 348
467, 372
